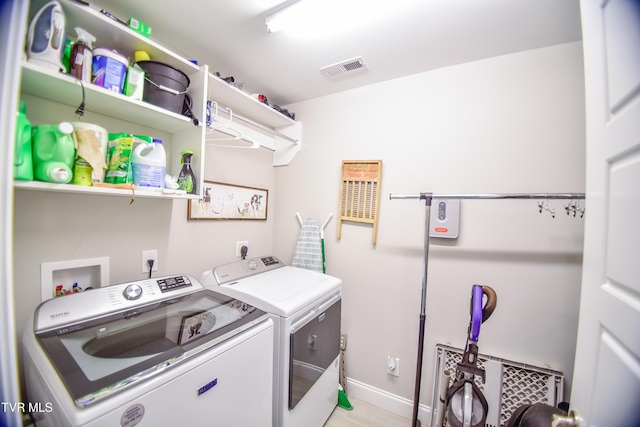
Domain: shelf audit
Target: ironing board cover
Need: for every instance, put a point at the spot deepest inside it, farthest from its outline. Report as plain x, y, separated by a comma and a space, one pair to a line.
308, 253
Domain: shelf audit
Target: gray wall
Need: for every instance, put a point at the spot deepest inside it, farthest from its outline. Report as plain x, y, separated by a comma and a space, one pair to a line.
508, 124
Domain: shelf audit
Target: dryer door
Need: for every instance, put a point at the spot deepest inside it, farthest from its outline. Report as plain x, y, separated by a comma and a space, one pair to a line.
314, 345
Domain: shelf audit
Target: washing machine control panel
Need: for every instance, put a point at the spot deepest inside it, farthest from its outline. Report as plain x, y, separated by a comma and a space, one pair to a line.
169, 284
166, 284
80, 306
132, 292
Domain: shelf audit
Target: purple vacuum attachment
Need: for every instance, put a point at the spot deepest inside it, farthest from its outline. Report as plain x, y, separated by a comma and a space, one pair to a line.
476, 312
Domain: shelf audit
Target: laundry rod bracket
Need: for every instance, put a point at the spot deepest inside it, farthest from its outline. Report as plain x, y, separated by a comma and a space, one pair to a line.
285, 141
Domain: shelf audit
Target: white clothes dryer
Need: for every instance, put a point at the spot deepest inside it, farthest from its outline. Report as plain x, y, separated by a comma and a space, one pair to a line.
305, 307
155, 352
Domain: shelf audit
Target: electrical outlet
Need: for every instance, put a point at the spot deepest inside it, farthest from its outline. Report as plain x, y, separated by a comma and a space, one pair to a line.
393, 365
239, 246
146, 256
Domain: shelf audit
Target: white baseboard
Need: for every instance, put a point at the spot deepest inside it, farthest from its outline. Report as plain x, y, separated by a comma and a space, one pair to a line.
387, 401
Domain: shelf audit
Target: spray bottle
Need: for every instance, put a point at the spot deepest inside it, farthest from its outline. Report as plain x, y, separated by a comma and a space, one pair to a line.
81, 56
186, 178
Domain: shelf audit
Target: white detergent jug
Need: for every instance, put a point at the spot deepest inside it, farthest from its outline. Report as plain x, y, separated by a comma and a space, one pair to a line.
149, 162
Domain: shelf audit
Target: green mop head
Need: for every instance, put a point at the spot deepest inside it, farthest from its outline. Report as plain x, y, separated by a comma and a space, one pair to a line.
343, 402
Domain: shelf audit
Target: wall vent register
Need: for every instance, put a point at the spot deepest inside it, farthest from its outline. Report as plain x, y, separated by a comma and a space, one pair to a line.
348, 66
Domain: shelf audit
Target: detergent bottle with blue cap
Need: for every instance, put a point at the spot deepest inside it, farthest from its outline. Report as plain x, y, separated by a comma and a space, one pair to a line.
149, 163
53, 153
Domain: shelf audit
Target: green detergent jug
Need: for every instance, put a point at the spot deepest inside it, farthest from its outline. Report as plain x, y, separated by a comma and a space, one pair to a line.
22, 162
53, 153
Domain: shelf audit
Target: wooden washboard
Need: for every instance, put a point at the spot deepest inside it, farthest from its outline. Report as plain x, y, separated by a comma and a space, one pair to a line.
360, 193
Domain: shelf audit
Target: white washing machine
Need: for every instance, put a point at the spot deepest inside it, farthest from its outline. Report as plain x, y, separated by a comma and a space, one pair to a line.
305, 307
155, 352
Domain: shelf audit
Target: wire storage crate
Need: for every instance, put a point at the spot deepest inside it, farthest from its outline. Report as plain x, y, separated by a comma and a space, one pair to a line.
508, 385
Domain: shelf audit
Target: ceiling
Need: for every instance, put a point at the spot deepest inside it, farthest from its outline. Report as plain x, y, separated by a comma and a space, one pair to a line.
395, 38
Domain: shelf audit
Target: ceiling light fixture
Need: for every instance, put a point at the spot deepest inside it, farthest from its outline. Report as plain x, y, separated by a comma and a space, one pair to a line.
321, 18
286, 17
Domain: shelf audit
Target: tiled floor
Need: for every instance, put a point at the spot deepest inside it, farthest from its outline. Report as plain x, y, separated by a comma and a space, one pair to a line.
364, 414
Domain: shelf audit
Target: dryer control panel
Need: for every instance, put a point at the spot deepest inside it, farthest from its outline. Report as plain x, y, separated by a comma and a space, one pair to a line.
228, 273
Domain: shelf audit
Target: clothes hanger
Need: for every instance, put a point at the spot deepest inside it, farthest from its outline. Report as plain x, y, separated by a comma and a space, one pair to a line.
217, 124
235, 134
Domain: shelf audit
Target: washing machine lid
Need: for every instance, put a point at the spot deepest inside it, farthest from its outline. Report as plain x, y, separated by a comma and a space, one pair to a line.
272, 286
170, 321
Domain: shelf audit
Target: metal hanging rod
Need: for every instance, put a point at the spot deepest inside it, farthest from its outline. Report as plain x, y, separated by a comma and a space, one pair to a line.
428, 198
529, 196
263, 127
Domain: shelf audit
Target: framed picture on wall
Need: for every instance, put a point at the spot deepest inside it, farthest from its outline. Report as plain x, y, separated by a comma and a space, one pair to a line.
228, 201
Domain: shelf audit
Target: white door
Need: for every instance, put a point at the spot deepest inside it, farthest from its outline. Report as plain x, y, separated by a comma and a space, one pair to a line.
12, 28
606, 379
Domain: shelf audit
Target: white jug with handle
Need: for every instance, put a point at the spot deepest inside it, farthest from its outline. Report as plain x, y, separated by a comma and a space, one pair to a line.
149, 162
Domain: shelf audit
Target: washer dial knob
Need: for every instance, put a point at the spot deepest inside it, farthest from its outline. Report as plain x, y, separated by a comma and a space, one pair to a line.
132, 292
253, 264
